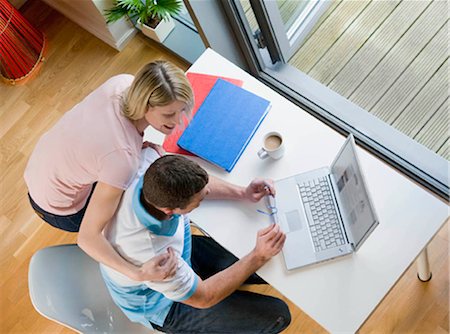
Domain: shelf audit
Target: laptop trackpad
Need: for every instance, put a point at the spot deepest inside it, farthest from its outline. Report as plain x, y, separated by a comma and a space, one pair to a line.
293, 220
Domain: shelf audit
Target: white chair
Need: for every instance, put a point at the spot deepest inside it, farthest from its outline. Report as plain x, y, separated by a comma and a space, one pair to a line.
66, 286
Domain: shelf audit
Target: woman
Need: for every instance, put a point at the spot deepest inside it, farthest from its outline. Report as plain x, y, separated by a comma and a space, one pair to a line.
79, 169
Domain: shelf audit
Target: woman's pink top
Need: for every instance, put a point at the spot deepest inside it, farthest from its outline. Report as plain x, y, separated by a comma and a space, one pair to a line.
92, 142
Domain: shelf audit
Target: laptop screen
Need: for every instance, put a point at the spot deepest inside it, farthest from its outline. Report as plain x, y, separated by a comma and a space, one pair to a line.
356, 205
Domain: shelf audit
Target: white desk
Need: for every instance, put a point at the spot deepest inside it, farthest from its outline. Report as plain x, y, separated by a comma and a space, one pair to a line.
340, 294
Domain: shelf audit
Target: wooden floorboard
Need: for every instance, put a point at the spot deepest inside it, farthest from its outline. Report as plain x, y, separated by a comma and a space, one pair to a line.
77, 63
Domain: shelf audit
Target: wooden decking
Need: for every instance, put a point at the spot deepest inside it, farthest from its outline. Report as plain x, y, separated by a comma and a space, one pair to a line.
389, 57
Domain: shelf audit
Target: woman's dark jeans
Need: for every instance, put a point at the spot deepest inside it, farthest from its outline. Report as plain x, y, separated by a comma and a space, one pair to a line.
70, 223
241, 312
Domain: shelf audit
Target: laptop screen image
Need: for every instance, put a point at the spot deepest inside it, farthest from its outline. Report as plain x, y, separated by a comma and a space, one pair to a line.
353, 194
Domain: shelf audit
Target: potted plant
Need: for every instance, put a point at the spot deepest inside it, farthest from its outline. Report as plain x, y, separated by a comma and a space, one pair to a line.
153, 17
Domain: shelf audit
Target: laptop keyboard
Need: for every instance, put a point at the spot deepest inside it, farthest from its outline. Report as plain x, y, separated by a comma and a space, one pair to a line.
322, 218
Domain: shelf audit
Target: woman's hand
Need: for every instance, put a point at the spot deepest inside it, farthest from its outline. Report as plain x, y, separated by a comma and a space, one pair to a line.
159, 267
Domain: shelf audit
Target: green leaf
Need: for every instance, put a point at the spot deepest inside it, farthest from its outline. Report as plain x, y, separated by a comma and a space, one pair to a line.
145, 10
163, 9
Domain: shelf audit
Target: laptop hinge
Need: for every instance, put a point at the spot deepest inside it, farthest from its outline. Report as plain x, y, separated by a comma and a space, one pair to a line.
344, 230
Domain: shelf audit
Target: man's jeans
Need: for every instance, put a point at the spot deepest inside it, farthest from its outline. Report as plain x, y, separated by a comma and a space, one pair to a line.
70, 223
241, 312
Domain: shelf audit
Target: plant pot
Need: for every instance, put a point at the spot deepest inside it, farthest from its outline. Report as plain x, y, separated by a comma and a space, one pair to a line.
161, 31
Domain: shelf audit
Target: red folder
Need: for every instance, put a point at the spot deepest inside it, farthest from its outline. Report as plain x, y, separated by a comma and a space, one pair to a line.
201, 85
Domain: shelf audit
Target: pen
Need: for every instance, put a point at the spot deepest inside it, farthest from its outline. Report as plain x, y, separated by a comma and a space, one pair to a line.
273, 208
271, 204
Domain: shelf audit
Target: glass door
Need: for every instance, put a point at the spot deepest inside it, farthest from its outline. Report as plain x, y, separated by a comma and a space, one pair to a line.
292, 21
375, 68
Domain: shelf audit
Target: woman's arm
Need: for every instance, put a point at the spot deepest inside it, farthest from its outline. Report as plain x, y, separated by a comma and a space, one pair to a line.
257, 189
100, 210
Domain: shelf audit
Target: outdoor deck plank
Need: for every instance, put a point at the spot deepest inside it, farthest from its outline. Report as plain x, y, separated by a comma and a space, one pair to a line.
326, 35
403, 53
375, 49
357, 34
383, 56
334, 5
444, 151
435, 133
425, 104
288, 8
414, 77
250, 16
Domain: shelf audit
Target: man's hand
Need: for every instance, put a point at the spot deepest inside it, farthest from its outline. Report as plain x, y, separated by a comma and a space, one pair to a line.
158, 148
269, 242
214, 289
159, 267
259, 188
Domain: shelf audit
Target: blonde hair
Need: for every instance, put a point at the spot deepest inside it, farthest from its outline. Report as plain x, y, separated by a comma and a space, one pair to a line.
158, 83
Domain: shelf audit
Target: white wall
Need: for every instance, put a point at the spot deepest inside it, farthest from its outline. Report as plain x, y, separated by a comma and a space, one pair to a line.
217, 30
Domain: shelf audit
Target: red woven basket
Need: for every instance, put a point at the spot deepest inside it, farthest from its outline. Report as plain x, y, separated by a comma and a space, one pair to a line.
22, 46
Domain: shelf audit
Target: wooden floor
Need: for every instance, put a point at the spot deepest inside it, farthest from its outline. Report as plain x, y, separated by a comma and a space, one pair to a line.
389, 57
77, 63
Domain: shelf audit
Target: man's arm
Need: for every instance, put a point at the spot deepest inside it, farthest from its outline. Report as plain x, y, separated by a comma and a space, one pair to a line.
257, 189
211, 291
100, 210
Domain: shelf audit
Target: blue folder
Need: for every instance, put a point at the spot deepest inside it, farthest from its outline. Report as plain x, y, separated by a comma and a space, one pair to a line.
224, 124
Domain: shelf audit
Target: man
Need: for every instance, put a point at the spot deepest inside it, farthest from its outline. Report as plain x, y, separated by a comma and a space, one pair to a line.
202, 297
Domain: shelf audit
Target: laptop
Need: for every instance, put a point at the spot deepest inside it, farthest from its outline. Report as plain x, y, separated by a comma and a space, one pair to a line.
325, 213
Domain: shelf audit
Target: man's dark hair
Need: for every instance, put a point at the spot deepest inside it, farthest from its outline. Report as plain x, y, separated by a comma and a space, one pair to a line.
172, 180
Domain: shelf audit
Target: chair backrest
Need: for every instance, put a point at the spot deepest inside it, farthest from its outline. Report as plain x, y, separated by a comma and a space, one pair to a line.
66, 286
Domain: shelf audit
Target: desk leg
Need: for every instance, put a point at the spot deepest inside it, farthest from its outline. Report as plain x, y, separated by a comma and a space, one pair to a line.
423, 266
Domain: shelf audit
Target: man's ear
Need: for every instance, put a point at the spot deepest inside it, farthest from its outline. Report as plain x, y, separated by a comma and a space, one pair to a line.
167, 211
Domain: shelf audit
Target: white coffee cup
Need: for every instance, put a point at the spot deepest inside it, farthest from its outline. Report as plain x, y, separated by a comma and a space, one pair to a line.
272, 146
